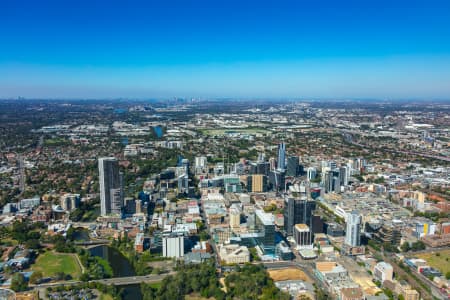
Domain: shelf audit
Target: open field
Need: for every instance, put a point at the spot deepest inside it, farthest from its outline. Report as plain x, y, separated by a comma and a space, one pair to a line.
288, 274
50, 263
440, 262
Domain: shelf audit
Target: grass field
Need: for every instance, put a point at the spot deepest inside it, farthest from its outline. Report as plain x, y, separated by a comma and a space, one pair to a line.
106, 297
440, 262
155, 285
50, 263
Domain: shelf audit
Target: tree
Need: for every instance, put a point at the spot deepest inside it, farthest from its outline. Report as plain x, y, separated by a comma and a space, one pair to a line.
18, 282
36, 277
405, 247
33, 244
417, 246
447, 275
60, 275
84, 277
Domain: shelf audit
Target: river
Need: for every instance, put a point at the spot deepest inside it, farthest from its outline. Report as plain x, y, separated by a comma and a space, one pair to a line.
121, 268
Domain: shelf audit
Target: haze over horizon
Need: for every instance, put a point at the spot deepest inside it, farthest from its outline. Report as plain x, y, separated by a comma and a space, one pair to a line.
149, 49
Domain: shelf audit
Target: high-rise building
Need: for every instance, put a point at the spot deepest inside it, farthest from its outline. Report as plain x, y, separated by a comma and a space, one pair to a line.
69, 201
343, 175
235, 217
185, 165
302, 235
272, 164
317, 224
257, 183
281, 162
111, 190
331, 180
232, 183
260, 167
265, 226
201, 165
261, 157
130, 205
293, 166
173, 246
297, 211
353, 232
311, 173
183, 183
277, 179
332, 165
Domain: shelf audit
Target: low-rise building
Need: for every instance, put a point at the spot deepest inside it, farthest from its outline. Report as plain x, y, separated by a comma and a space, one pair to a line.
383, 271
411, 294
352, 294
234, 254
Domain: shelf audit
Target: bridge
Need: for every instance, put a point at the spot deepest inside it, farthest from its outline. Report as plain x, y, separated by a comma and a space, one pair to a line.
92, 243
86, 225
134, 279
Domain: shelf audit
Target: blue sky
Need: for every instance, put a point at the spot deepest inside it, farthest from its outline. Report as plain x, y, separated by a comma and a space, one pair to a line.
302, 49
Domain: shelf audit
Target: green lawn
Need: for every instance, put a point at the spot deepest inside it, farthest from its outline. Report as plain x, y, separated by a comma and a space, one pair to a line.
50, 263
155, 285
440, 262
106, 297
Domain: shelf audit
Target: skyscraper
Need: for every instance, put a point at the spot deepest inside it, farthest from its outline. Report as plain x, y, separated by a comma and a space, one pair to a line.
265, 226
292, 166
185, 165
297, 211
352, 234
257, 183
277, 179
111, 190
311, 173
343, 175
281, 157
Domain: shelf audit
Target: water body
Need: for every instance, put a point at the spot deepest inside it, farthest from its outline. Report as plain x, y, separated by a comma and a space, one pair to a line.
81, 234
121, 268
158, 131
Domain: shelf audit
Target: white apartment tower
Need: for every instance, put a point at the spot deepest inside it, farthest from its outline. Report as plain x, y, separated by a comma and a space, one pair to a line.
173, 246
353, 232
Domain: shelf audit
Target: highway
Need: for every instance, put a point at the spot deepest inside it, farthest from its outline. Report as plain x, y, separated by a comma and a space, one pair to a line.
115, 281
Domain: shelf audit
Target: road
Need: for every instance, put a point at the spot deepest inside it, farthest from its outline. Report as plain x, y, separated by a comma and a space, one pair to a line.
115, 281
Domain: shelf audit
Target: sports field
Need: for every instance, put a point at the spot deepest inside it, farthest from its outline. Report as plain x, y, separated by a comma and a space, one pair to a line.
439, 260
50, 263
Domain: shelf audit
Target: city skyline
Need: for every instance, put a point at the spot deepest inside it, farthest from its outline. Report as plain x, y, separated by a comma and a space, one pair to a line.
297, 49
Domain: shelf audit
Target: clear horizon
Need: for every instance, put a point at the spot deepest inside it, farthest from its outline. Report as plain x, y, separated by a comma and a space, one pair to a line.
256, 49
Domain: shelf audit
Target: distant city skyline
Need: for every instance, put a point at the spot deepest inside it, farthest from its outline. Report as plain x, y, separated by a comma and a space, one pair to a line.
252, 49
